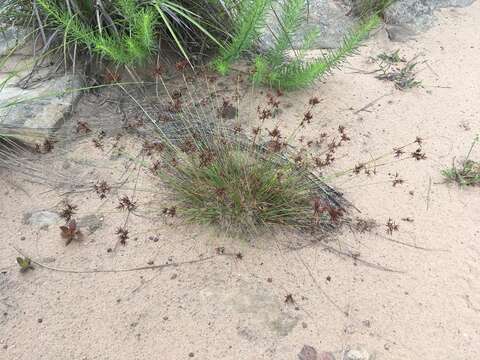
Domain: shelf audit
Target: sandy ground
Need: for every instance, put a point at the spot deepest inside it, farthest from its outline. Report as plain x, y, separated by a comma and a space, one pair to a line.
229, 308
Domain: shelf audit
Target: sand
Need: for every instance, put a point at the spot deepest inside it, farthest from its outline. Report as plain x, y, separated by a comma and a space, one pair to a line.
426, 306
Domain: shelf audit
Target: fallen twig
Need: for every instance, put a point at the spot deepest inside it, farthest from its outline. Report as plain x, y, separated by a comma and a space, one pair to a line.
94, 271
371, 103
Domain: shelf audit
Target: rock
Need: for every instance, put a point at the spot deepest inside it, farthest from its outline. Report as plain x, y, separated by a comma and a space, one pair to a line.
42, 218
334, 19
48, 260
358, 354
38, 110
32, 105
405, 18
91, 223
10, 38
308, 353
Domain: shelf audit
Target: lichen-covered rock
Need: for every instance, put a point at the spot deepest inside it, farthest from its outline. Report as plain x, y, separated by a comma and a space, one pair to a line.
31, 114
11, 37
405, 18
335, 18
32, 104
42, 218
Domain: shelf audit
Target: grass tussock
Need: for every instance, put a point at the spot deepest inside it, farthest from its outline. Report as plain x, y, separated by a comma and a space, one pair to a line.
240, 191
244, 182
395, 68
467, 173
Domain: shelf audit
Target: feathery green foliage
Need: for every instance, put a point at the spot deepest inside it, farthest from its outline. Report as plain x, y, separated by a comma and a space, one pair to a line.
274, 70
247, 25
132, 46
124, 31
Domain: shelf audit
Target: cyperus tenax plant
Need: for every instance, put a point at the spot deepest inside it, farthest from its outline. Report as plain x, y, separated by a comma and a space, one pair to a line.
246, 180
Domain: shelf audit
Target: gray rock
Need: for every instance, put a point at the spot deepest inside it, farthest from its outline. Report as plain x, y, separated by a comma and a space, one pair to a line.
10, 38
91, 223
283, 324
42, 218
405, 18
358, 354
32, 104
335, 18
31, 114
258, 312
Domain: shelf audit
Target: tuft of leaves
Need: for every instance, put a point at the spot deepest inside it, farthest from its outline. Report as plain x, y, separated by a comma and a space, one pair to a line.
467, 173
25, 264
392, 67
70, 232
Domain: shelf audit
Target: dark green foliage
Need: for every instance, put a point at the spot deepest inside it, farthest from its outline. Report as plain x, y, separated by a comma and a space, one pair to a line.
248, 22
